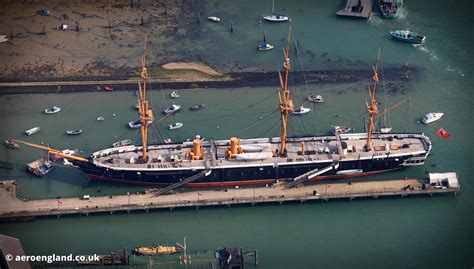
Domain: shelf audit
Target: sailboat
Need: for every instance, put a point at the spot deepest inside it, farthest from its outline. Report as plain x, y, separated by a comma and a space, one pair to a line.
264, 45
254, 161
385, 129
275, 17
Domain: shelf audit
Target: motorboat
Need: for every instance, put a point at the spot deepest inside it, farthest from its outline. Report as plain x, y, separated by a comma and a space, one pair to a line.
11, 144
174, 108
74, 132
176, 125
408, 36
301, 111
315, 98
137, 106
101, 118
168, 141
122, 143
174, 94
136, 124
264, 47
197, 107
32, 131
432, 117
214, 19
340, 129
55, 157
52, 110
108, 88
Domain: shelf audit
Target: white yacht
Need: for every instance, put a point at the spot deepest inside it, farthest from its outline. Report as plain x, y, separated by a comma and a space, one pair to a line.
432, 117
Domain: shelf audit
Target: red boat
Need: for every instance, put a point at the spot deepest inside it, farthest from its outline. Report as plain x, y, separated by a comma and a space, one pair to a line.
108, 88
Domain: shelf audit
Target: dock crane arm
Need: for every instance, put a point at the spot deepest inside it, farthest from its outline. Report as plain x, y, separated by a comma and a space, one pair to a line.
52, 151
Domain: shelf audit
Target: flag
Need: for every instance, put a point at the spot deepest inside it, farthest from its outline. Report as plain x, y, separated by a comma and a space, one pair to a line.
199, 193
441, 132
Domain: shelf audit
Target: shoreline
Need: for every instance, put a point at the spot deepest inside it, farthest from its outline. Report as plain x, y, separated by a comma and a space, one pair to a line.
229, 80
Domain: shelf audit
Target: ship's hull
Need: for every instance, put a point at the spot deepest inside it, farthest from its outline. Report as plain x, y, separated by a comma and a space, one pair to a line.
245, 175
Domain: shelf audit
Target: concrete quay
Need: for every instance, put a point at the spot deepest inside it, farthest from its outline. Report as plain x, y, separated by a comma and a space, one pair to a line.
13, 208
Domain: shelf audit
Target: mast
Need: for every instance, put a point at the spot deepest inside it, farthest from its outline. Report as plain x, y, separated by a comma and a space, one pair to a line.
372, 104
144, 110
286, 104
273, 7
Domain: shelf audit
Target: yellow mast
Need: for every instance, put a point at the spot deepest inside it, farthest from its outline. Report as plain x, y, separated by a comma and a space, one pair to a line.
372, 105
53, 151
286, 104
145, 112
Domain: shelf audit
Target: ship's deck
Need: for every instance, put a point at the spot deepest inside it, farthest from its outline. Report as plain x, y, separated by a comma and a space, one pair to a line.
258, 152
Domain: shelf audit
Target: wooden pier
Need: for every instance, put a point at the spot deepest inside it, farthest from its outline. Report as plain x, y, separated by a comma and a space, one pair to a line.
13, 208
357, 9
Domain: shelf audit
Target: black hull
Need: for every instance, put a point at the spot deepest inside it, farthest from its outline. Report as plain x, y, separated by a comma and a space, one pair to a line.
243, 175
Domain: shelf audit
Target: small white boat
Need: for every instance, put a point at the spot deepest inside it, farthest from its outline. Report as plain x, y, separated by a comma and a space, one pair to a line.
341, 129
214, 19
32, 131
137, 106
122, 143
301, 111
174, 94
316, 99
174, 108
432, 117
264, 47
175, 126
168, 141
100, 118
74, 132
52, 110
386, 130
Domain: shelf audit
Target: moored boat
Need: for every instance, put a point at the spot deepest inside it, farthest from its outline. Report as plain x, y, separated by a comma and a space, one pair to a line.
432, 117
174, 94
275, 17
176, 125
52, 110
174, 108
108, 88
214, 19
40, 167
197, 107
408, 36
340, 129
264, 47
32, 131
137, 124
156, 250
315, 99
122, 143
301, 111
390, 9
11, 144
101, 118
74, 132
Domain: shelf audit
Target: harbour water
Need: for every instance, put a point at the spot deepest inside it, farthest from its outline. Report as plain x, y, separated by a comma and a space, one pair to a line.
389, 233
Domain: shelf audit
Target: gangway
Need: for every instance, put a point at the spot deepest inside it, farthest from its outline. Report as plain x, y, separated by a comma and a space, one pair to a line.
183, 182
315, 172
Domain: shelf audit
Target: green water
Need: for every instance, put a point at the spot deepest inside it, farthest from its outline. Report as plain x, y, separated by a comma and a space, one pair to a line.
390, 233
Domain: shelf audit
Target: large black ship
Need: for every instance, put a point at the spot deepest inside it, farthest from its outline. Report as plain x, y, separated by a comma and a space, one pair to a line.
201, 163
